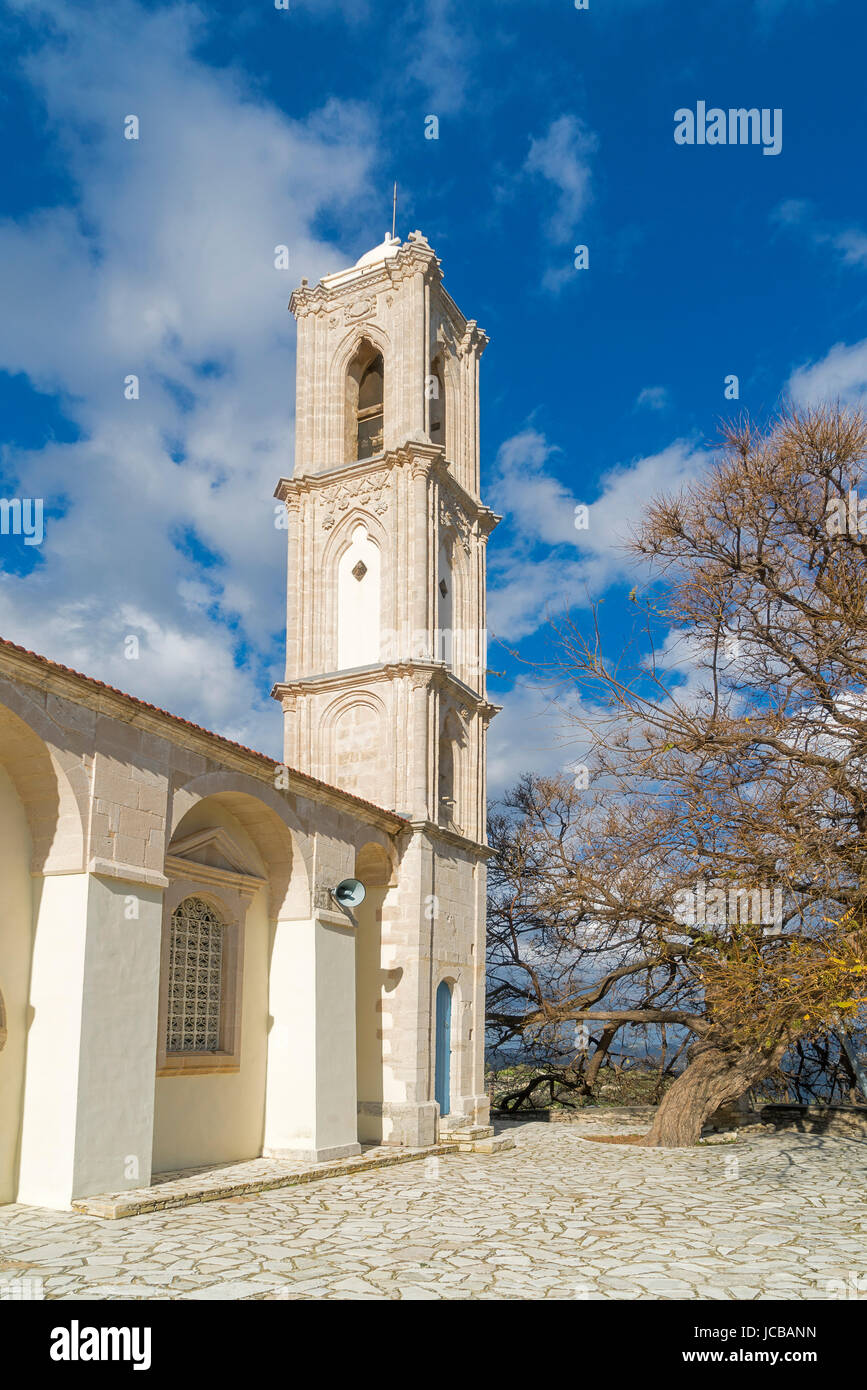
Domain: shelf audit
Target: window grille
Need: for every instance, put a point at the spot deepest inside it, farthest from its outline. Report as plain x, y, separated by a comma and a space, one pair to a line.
195, 978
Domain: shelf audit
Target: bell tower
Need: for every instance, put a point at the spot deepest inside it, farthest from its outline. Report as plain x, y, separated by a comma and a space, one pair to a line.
385, 693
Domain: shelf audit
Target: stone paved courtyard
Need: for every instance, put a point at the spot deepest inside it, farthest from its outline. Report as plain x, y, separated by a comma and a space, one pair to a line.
771, 1216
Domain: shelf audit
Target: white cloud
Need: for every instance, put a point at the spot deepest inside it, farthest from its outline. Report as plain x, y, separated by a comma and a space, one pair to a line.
849, 242
548, 563
852, 245
165, 268
840, 375
654, 397
442, 55
562, 158
532, 733
792, 212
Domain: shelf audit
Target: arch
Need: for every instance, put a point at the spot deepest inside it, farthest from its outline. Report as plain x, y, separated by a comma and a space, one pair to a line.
357, 743
446, 783
445, 602
225, 858
460, 653
359, 601
339, 432
443, 1046
351, 697
21, 896
364, 402
453, 413
437, 411
55, 798
338, 543
373, 865
273, 827
452, 741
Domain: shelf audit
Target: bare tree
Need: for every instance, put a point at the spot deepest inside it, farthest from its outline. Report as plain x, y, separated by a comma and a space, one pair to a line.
727, 764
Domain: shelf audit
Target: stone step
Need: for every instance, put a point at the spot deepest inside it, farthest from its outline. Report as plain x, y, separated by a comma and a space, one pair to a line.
495, 1144
466, 1134
242, 1180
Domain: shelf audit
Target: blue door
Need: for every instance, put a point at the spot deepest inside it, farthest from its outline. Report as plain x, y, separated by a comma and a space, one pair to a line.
442, 1073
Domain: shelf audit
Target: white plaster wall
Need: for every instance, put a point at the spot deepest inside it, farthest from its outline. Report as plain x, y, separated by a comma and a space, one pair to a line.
54, 1041
15, 950
118, 1036
358, 603
312, 1064
370, 1000
291, 1091
219, 1118
336, 1096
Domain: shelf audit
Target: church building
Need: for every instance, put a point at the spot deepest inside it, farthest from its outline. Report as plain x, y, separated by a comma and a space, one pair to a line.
180, 984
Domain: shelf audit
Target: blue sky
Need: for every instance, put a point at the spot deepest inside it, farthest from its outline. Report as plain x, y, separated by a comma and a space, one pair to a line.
262, 127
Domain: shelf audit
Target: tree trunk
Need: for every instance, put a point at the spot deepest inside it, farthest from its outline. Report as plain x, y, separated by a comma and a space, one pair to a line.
609, 1033
713, 1078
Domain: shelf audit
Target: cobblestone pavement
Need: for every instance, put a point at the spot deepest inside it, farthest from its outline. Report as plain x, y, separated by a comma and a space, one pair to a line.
770, 1216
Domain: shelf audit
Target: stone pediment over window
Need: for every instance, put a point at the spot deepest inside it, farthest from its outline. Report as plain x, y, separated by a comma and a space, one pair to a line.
212, 856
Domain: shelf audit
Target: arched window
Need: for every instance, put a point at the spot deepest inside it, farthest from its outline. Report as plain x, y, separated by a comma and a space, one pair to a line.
443, 1047
358, 602
437, 407
365, 397
446, 789
195, 980
445, 605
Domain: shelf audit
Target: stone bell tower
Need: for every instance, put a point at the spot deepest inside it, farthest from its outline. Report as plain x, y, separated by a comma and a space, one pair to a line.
385, 692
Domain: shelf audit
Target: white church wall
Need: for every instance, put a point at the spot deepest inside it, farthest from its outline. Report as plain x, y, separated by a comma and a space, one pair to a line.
91, 1099
89, 1079
54, 1041
373, 989
219, 1118
311, 1098
16, 942
118, 1036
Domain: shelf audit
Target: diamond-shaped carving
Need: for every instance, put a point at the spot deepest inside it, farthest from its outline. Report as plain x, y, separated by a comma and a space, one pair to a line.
359, 570
443, 588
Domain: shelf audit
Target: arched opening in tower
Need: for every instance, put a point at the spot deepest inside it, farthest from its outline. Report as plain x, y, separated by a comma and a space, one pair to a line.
366, 394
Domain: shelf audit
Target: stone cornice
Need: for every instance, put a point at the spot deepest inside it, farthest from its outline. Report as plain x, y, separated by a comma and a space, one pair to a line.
358, 677
413, 257
452, 837
128, 873
177, 866
413, 453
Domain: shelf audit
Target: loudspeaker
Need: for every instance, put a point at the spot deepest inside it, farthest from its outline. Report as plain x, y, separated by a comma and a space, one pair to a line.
350, 892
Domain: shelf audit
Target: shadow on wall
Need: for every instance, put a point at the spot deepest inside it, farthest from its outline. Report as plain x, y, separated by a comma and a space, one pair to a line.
372, 986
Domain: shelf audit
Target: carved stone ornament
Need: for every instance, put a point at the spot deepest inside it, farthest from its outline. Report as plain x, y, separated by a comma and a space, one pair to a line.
362, 308
474, 339
370, 491
452, 518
